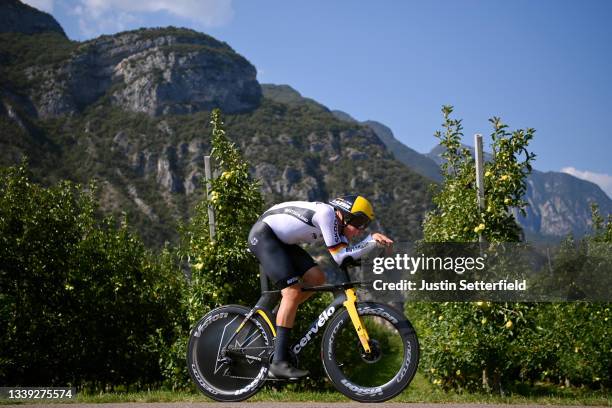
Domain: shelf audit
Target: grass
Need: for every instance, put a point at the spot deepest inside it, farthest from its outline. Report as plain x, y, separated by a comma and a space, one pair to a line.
419, 391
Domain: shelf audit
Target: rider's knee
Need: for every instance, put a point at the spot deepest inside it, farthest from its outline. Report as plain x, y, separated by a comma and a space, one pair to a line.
318, 278
292, 293
314, 276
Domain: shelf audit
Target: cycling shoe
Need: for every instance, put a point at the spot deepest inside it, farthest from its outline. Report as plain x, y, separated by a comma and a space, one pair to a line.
283, 370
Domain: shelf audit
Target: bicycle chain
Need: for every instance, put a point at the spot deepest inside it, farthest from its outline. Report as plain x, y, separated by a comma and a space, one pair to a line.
252, 378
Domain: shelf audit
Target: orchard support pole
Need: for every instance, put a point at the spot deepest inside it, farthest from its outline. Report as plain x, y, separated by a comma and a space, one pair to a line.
208, 173
479, 177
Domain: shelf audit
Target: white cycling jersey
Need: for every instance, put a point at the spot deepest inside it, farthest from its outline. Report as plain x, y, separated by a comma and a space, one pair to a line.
297, 222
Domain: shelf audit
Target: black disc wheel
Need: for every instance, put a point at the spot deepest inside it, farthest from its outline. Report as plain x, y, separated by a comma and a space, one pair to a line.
390, 365
227, 367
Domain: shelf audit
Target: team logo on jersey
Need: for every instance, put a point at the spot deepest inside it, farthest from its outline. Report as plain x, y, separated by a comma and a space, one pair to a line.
336, 234
303, 214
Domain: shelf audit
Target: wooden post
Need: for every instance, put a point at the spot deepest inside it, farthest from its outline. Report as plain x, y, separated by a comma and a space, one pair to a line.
208, 172
479, 176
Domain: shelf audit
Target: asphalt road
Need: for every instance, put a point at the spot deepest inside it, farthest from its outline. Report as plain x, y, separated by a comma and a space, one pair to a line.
283, 405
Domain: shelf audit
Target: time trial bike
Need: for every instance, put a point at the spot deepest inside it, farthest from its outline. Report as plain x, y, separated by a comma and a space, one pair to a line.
369, 350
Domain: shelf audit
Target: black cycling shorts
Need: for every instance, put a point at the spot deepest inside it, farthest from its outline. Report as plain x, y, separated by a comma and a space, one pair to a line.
282, 263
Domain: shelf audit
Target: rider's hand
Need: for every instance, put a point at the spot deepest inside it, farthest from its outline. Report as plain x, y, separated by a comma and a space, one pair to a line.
384, 241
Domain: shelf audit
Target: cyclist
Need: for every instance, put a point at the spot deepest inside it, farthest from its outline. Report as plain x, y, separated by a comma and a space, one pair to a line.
275, 239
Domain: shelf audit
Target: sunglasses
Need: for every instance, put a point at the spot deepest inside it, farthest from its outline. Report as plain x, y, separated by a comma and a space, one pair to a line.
359, 221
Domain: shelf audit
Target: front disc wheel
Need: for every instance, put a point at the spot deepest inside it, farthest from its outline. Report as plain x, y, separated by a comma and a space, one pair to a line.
388, 368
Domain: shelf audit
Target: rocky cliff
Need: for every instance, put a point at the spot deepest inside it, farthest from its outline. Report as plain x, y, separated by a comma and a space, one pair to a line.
411, 158
16, 17
559, 203
153, 71
132, 110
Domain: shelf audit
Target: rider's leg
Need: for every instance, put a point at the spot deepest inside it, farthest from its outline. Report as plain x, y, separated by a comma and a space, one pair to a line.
284, 321
283, 264
313, 277
293, 296
285, 317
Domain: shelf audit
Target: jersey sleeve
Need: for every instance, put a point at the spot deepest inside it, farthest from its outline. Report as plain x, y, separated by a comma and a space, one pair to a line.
336, 243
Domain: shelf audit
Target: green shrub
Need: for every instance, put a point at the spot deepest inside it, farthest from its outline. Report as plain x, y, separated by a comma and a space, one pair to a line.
471, 345
493, 346
456, 217
83, 302
222, 269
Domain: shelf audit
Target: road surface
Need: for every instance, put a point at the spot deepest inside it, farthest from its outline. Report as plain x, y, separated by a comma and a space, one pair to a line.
281, 405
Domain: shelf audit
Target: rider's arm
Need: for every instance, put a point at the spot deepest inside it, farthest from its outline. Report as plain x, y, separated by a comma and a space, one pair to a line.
337, 244
356, 251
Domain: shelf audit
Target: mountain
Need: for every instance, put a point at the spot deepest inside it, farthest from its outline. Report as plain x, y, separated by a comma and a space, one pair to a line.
131, 111
559, 203
287, 95
161, 71
17, 17
411, 158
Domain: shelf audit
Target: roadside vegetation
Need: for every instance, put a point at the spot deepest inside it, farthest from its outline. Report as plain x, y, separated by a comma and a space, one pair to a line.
496, 347
83, 302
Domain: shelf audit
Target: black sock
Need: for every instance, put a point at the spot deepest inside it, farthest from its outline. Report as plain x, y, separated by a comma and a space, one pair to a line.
281, 347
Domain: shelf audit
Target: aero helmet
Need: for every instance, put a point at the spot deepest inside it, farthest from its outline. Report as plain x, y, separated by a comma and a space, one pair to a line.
356, 209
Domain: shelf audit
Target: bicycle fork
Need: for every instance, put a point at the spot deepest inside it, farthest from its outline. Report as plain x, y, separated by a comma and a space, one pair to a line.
362, 333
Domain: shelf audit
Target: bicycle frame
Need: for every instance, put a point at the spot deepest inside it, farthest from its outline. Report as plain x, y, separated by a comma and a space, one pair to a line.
344, 296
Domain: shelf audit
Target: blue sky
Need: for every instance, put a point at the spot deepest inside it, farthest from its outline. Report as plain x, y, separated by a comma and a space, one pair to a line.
545, 64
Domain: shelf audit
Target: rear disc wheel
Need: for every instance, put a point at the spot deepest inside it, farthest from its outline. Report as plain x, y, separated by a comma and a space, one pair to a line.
229, 376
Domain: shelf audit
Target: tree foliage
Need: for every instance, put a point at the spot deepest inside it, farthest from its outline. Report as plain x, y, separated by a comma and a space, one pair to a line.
457, 217
469, 345
492, 346
602, 228
222, 269
82, 302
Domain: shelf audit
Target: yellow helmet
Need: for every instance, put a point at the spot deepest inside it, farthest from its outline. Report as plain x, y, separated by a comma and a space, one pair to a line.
357, 210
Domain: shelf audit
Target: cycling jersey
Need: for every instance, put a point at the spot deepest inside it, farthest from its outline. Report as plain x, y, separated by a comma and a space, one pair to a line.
296, 222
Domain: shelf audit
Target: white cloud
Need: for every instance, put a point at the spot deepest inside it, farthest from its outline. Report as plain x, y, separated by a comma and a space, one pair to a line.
44, 5
92, 25
602, 180
109, 16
